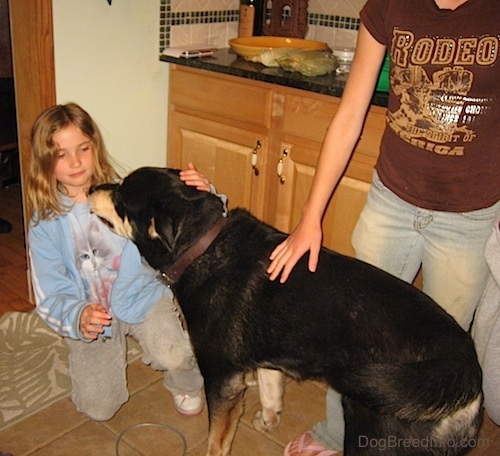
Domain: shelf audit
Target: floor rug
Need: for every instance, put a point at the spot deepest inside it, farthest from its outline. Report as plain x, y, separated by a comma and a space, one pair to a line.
34, 366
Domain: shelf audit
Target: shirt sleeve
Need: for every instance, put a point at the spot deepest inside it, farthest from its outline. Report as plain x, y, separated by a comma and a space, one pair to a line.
59, 293
222, 197
374, 16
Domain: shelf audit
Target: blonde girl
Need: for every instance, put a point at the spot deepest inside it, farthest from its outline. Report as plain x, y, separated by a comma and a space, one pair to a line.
91, 286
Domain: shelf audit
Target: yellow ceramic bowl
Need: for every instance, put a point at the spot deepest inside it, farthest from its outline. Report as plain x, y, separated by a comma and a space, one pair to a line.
252, 46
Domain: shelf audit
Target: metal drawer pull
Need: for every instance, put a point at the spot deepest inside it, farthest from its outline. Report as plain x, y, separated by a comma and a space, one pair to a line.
281, 165
255, 157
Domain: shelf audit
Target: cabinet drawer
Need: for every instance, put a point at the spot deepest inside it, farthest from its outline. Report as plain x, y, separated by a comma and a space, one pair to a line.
222, 96
308, 117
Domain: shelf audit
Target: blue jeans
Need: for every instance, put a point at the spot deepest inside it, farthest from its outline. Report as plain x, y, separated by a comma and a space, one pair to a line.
400, 238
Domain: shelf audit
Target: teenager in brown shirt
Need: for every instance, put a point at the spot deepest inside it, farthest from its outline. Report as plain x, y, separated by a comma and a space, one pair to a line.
436, 186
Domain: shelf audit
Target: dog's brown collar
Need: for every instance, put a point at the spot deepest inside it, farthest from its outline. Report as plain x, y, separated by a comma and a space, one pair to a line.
175, 271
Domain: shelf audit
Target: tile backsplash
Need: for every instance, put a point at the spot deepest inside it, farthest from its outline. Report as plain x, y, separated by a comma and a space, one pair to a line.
214, 22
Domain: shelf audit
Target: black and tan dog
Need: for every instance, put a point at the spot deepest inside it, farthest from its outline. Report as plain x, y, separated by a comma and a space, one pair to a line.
407, 372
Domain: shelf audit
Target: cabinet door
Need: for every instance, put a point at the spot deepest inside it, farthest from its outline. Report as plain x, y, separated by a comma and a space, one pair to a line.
295, 171
233, 159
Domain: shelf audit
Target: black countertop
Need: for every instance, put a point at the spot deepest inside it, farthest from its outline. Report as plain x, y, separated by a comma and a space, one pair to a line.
227, 62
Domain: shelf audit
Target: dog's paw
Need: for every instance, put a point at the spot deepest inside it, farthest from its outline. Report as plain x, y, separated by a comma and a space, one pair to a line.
266, 422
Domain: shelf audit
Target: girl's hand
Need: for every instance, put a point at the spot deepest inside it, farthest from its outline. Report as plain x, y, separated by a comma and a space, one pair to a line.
194, 178
92, 320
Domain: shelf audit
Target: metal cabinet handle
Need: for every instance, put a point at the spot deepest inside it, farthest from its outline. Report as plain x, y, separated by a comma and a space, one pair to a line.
255, 157
281, 165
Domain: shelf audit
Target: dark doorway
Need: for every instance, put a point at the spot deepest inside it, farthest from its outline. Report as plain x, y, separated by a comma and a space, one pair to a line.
9, 151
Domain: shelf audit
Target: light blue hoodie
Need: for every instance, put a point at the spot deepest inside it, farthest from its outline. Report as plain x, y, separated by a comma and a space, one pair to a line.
59, 287
60, 290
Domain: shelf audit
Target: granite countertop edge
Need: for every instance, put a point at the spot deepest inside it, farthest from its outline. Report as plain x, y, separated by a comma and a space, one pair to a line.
225, 61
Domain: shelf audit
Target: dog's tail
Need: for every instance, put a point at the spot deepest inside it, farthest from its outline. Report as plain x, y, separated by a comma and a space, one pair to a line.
415, 391
457, 432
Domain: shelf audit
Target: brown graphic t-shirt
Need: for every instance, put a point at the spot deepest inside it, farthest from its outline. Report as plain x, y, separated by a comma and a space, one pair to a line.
441, 147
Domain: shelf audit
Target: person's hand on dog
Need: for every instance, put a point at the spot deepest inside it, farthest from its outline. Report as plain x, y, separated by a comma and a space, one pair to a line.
306, 237
192, 177
93, 319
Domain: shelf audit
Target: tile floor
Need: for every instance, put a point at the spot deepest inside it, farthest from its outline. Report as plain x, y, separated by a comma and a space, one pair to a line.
60, 430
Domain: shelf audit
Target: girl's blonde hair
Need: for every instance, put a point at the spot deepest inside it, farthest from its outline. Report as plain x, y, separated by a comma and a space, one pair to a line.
43, 193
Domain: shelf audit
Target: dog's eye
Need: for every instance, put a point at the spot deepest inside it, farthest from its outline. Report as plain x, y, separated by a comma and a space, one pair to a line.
106, 222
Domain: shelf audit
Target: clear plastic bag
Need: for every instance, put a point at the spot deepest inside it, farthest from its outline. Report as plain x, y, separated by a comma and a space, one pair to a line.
309, 63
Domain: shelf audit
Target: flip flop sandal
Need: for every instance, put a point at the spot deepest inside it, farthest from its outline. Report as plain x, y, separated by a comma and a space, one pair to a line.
306, 445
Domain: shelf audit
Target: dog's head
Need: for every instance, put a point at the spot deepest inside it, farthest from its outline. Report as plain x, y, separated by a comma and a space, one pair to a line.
156, 210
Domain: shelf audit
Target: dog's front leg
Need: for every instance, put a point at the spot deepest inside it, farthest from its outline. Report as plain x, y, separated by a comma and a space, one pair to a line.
225, 409
271, 390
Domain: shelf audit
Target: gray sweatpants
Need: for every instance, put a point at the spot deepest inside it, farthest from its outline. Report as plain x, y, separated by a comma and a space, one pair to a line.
486, 327
98, 368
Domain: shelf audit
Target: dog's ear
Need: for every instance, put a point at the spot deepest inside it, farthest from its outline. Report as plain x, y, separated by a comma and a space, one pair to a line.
176, 216
181, 208
164, 229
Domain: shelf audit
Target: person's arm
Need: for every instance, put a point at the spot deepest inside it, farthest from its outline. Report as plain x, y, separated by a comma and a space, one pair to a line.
340, 141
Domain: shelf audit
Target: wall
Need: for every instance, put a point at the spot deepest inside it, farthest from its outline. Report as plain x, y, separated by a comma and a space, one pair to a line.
106, 59
334, 21
216, 21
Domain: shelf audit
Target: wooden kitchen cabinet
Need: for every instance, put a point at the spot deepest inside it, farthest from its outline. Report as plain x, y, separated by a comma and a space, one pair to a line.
222, 126
223, 122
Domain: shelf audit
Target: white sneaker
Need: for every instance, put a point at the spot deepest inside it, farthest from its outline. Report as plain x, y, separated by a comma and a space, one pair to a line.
188, 405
